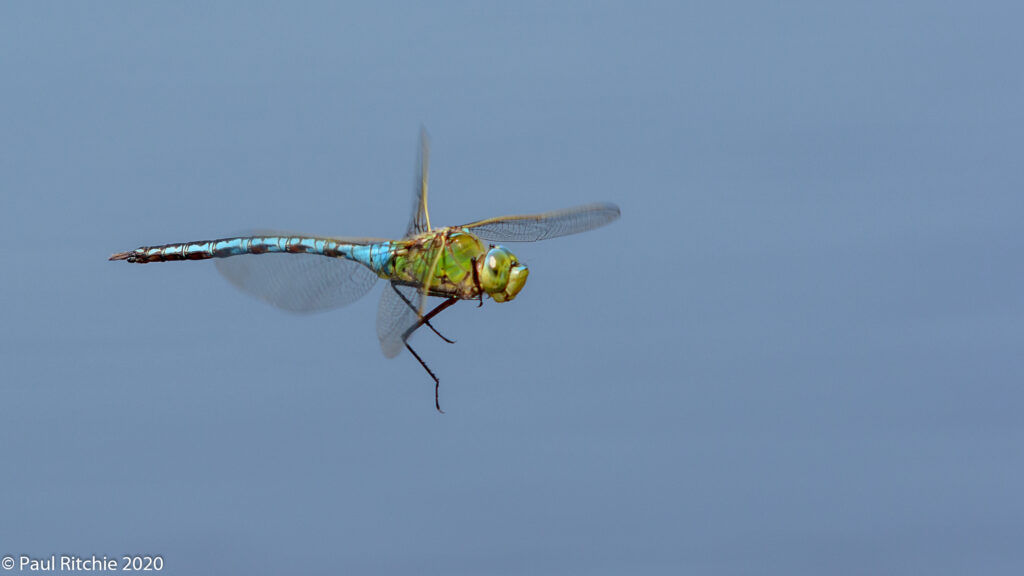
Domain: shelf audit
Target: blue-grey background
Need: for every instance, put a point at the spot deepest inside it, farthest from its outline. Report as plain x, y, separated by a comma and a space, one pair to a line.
798, 351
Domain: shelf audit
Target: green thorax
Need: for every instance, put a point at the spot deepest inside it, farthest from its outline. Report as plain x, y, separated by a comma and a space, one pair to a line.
447, 256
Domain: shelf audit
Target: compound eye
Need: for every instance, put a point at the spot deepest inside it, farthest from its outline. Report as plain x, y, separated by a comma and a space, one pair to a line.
494, 274
496, 261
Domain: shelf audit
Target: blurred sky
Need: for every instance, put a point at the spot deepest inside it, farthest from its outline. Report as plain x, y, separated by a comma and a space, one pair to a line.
798, 351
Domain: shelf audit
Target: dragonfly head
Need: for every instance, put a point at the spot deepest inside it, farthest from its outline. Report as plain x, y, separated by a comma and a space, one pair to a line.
501, 275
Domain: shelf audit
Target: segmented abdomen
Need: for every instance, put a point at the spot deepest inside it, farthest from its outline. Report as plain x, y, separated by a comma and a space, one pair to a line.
226, 247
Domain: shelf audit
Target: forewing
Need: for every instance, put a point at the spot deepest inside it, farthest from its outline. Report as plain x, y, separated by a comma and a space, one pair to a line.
420, 221
299, 283
395, 316
534, 227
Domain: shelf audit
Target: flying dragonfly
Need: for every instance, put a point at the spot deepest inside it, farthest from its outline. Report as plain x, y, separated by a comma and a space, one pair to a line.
301, 273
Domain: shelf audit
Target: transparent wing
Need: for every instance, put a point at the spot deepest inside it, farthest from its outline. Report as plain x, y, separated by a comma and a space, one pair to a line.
395, 316
420, 221
298, 283
397, 311
534, 227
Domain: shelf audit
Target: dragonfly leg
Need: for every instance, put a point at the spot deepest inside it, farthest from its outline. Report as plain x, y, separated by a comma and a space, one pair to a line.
423, 320
405, 339
426, 320
437, 383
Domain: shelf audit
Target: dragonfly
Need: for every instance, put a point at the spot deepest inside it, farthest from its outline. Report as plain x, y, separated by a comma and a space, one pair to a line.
303, 273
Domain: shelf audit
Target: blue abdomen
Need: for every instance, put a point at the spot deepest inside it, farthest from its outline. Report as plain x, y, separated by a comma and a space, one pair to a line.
374, 256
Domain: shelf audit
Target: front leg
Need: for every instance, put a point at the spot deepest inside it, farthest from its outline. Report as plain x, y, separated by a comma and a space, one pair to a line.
405, 339
422, 319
